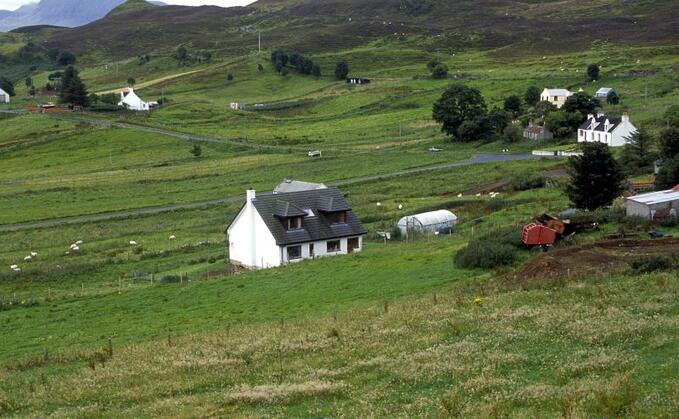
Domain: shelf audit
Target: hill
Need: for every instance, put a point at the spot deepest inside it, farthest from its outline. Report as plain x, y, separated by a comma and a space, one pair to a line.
329, 25
131, 6
57, 13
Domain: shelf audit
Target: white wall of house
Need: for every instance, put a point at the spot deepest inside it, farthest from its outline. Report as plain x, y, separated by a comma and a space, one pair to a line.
251, 244
616, 138
132, 102
320, 249
4, 97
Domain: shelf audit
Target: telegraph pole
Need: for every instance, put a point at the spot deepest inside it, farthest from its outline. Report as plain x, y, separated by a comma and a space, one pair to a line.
259, 41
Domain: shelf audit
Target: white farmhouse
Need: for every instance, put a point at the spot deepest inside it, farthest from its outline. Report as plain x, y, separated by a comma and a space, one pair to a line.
130, 100
602, 129
4, 96
275, 229
556, 97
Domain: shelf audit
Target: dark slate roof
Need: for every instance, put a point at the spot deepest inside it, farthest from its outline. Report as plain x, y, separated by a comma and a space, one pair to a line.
286, 209
600, 120
316, 227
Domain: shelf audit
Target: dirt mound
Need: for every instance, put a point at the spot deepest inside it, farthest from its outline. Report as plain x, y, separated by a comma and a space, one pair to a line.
595, 258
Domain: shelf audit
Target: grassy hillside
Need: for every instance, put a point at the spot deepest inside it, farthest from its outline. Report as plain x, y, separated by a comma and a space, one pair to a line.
394, 331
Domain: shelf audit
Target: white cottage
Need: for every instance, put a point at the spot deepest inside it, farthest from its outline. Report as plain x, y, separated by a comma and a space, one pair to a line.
556, 97
275, 229
130, 100
4, 96
602, 129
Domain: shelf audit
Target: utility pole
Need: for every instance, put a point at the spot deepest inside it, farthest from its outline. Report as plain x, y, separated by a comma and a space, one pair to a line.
259, 41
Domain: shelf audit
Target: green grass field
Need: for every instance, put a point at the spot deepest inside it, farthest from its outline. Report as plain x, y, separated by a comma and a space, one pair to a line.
393, 331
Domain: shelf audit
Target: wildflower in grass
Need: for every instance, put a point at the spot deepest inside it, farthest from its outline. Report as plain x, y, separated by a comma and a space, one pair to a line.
478, 301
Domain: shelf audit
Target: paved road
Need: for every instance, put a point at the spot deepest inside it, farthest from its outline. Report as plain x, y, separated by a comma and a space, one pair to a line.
476, 159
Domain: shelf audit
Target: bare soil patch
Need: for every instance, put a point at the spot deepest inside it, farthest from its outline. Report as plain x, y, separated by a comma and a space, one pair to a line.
596, 258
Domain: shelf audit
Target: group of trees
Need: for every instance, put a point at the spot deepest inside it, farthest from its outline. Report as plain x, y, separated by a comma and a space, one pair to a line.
72, 90
668, 176
300, 63
183, 56
437, 69
7, 85
464, 116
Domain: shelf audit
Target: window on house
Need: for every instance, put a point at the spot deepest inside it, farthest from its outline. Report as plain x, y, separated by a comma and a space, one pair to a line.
294, 223
294, 252
334, 246
337, 217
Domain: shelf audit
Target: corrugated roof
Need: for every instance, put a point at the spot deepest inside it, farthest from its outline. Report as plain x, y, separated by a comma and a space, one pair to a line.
657, 197
315, 228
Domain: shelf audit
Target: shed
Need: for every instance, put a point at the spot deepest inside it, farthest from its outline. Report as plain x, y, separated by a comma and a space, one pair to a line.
654, 205
441, 221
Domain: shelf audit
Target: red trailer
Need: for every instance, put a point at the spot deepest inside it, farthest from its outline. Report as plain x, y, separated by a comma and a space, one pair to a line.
535, 234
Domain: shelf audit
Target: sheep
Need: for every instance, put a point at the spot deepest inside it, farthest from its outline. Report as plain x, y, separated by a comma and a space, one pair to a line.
13, 267
79, 242
459, 195
172, 237
478, 194
133, 243
34, 254
17, 270
28, 258
73, 246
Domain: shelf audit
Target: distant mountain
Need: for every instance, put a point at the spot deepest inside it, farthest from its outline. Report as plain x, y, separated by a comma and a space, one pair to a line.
69, 13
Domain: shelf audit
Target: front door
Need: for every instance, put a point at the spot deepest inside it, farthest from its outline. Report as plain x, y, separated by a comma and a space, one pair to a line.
352, 244
311, 251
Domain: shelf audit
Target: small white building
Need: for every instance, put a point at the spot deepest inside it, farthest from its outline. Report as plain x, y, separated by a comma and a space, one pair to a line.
602, 129
654, 205
276, 229
4, 96
556, 97
433, 222
129, 100
604, 92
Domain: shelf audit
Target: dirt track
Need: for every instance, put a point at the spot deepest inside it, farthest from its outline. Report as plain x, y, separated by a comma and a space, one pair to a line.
595, 258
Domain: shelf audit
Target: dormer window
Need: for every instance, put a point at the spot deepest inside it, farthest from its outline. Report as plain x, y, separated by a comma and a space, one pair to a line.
293, 223
339, 217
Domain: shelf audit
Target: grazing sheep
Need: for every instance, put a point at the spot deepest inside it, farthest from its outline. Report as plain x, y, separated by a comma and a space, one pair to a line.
478, 194
79, 242
459, 195
17, 270
13, 267
133, 243
172, 237
27, 258
75, 249
34, 254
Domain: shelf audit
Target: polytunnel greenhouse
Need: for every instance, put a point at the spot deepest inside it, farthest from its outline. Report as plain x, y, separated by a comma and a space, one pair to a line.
441, 222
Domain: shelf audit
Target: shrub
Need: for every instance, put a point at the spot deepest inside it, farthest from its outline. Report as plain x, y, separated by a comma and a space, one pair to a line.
635, 222
170, 278
526, 181
485, 255
649, 264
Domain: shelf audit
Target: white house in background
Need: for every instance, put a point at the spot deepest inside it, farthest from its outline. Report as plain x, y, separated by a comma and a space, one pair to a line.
290, 185
130, 100
604, 92
275, 229
654, 205
556, 97
602, 129
4, 96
